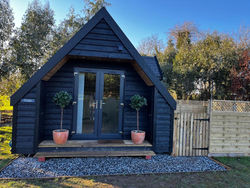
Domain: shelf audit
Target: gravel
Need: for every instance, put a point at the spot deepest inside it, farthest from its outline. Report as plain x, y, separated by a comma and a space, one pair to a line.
27, 167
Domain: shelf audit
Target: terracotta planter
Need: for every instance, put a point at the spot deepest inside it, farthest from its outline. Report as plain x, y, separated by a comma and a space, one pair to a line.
138, 136
60, 136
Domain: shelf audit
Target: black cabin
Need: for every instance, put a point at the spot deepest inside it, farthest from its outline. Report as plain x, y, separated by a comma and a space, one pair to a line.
99, 64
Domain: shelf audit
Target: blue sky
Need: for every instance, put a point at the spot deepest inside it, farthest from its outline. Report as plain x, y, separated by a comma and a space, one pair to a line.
142, 18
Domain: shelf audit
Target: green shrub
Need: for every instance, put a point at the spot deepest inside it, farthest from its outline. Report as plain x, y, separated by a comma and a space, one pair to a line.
62, 99
137, 102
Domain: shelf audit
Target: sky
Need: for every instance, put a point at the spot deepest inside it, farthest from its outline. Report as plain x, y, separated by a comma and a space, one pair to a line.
142, 18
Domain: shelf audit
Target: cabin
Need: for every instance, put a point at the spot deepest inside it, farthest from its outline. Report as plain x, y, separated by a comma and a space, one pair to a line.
102, 70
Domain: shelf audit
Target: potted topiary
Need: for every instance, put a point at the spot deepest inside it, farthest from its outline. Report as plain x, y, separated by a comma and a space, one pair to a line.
137, 102
62, 99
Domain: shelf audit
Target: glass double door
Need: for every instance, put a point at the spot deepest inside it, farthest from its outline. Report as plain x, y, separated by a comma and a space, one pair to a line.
99, 103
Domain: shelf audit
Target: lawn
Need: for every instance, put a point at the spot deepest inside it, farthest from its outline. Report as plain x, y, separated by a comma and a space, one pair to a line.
5, 154
238, 176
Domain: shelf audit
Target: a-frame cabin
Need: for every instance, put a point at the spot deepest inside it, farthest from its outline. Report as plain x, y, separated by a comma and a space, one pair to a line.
101, 65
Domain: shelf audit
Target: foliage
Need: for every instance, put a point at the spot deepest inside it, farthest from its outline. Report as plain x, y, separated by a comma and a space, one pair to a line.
6, 29
183, 34
137, 102
5, 153
62, 99
196, 64
73, 22
27, 48
240, 77
31, 43
5, 103
92, 6
151, 46
66, 29
10, 84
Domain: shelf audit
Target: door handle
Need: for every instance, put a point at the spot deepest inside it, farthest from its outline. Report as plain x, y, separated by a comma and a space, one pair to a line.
101, 103
96, 104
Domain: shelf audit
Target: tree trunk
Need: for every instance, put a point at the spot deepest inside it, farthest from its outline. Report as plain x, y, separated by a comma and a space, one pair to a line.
61, 117
137, 112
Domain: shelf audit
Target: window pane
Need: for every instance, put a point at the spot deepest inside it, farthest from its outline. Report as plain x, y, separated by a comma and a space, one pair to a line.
111, 103
86, 103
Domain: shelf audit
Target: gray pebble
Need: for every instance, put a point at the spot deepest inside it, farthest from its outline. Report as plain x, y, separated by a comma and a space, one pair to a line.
27, 167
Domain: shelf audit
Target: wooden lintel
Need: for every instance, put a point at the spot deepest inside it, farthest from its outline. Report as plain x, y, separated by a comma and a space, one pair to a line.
55, 69
142, 74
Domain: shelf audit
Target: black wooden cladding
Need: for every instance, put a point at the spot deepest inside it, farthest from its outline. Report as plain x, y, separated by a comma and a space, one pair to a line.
101, 41
100, 37
24, 125
36, 121
163, 125
133, 85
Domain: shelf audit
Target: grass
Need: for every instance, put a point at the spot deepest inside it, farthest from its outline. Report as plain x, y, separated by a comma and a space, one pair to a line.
238, 176
5, 154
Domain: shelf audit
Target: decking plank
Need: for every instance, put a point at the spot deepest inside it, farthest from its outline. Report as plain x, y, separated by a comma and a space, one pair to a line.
95, 154
92, 143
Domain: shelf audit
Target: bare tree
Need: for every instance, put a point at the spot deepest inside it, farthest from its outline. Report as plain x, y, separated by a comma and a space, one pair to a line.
184, 34
151, 46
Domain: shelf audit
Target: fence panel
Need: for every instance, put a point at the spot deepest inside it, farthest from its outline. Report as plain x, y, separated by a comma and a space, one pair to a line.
230, 134
191, 129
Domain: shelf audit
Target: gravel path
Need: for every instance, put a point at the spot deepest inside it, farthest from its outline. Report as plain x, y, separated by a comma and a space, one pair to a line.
30, 167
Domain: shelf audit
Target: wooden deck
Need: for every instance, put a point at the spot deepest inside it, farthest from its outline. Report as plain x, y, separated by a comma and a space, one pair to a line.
94, 143
95, 154
94, 148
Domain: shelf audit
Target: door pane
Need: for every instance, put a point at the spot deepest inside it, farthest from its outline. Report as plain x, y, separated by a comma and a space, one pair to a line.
111, 103
86, 103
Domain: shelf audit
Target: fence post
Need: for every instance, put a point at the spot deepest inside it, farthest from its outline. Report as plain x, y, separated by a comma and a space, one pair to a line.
209, 122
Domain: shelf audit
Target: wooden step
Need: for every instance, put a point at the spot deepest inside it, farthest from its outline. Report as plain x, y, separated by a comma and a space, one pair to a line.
95, 154
93, 143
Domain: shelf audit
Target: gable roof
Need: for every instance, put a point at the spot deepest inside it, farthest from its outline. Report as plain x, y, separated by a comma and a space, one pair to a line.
61, 53
153, 63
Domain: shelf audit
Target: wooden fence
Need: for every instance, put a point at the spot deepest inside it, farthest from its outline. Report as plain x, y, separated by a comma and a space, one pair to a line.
229, 134
5, 117
225, 133
191, 129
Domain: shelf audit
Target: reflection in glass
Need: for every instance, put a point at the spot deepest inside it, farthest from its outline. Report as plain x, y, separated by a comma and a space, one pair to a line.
86, 103
110, 103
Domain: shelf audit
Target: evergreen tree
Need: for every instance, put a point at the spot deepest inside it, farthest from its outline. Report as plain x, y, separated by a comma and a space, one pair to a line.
66, 29
6, 29
213, 58
92, 7
166, 63
74, 21
32, 41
